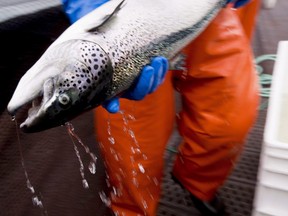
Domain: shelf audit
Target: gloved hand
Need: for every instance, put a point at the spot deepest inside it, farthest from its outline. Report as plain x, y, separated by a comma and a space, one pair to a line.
238, 3
75, 9
150, 78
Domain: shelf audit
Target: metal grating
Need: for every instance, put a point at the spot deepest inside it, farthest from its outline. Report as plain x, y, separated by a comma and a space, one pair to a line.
238, 191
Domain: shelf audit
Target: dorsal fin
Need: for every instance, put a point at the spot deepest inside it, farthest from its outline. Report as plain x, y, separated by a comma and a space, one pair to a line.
107, 17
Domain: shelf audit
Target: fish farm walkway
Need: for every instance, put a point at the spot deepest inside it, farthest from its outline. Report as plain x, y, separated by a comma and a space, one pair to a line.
49, 157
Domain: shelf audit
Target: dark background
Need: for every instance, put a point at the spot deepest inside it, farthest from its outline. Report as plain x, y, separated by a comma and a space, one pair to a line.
49, 156
51, 163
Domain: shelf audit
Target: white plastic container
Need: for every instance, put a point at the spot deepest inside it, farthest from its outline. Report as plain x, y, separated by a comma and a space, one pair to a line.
271, 197
268, 4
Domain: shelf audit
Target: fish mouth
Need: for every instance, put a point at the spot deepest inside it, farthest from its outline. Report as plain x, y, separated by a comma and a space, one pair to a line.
37, 111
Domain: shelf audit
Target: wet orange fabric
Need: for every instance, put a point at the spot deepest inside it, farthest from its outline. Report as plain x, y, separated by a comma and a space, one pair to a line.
219, 96
135, 165
248, 18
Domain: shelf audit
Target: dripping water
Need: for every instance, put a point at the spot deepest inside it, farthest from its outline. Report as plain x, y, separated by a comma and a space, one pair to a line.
110, 137
135, 151
37, 200
105, 199
93, 158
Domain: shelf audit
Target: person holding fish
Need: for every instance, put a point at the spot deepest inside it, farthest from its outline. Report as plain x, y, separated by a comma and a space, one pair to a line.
214, 75
219, 93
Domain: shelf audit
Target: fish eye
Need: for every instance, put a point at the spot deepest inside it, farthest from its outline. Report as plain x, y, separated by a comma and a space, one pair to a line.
64, 99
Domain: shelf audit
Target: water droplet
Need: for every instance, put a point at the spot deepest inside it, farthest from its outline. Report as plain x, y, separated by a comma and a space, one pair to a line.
92, 164
144, 203
114, 190
132, 159
30, 187
13, 118
138, 151
155, 180
93, 157
111, 140
131, 133
109, 126
85, 183
134, 172
125, 120
135, 182
145, 157
105, 199
133, 150
37, 202
131, 117
92, 167
141, 168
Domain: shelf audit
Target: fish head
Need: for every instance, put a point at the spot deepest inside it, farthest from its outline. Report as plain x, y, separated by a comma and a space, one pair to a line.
62, 88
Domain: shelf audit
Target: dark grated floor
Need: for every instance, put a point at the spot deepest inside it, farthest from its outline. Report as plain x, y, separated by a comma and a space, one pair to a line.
51, 167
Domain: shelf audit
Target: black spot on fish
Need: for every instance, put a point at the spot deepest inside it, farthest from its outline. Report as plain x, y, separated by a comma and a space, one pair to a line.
96, 67
79, 81
88, 81
93, 54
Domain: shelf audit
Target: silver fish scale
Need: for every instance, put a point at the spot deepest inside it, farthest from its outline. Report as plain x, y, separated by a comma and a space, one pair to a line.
67, 73
130, 51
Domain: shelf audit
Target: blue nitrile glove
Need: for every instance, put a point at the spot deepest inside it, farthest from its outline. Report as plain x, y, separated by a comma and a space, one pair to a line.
238, 3
75, 9
150, 78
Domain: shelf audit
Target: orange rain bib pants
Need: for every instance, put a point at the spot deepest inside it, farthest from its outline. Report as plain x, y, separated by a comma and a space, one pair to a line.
247, 16
219, 105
